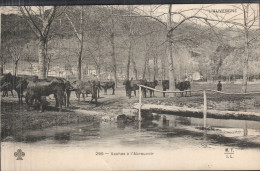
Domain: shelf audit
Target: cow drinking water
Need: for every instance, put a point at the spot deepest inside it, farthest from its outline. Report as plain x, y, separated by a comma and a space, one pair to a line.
45, 87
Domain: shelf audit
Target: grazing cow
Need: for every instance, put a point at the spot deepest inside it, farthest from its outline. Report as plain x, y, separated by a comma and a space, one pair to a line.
45, 87
184, 85
107, 85
131, 85
152, 85
90, 87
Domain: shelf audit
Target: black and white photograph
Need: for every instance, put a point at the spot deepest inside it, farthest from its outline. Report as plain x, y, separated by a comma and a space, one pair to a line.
130, 87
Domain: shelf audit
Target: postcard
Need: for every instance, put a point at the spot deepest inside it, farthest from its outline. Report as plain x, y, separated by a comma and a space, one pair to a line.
130, 87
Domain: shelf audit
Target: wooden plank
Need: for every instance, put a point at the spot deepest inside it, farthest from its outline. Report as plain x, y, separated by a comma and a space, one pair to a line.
198, 113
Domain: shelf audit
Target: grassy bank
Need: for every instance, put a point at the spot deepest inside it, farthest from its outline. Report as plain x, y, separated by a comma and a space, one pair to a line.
16, 118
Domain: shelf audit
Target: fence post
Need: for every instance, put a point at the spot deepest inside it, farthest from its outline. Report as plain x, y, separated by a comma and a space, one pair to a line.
205, 110
140, 103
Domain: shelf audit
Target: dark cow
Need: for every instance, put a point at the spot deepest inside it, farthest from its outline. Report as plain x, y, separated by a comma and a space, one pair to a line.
165, 86
89, 87
7, 84
126, 83
36, 90
68, 88
152, 85
5, 87
107, 85
184, 85
132, 85
17, 83
20, 85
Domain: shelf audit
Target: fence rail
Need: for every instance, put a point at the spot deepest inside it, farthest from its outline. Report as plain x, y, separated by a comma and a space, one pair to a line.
221, 115
161, 91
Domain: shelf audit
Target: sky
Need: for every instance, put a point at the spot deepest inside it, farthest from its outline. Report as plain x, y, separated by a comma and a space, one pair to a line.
211, 11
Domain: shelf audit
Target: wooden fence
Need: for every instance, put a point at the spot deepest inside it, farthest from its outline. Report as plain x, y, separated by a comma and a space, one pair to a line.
239, 115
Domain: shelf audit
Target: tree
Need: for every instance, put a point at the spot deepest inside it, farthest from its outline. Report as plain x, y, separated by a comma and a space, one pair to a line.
40, 20
1, 56
249, 35
169, 51
80, 36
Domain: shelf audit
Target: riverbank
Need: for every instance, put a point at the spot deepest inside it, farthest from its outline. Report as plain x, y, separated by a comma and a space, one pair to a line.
16, 118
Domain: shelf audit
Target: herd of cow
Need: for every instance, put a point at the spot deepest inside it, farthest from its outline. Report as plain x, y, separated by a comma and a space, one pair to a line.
132, 85
35, 90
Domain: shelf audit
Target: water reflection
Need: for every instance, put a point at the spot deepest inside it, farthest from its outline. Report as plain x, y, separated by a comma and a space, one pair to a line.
162, 130
63, 137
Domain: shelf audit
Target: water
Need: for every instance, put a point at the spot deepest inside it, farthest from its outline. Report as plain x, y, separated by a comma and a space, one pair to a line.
178, 137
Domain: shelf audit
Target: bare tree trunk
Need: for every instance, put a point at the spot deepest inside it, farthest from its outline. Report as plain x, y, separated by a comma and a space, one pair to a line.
135, 69
42, 58
48, 65
145, 64
81, 45
1, 56
98, 72
80, 59
15, 67
155, 68
246, 55
169, 54
113, 55
129, 61
163, 69
149, 71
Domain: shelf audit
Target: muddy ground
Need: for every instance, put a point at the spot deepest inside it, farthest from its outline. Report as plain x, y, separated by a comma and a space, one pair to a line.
16, 118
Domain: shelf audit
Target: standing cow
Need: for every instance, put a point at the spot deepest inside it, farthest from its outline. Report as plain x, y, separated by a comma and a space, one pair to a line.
17, 83
184, 85
132, 85
107, 85
84, 88
38, 89
165, 86
152, 85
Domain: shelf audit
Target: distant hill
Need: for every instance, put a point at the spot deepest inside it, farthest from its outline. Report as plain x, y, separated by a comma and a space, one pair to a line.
195, 41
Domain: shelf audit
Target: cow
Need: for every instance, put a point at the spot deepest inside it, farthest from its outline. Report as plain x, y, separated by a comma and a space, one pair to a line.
152, 85
125, 83
184, 85
7, 84
68, 88
5, 87
165, 86
89, 87
17, 83
107, 85
37, 89
132, 85
20, 85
